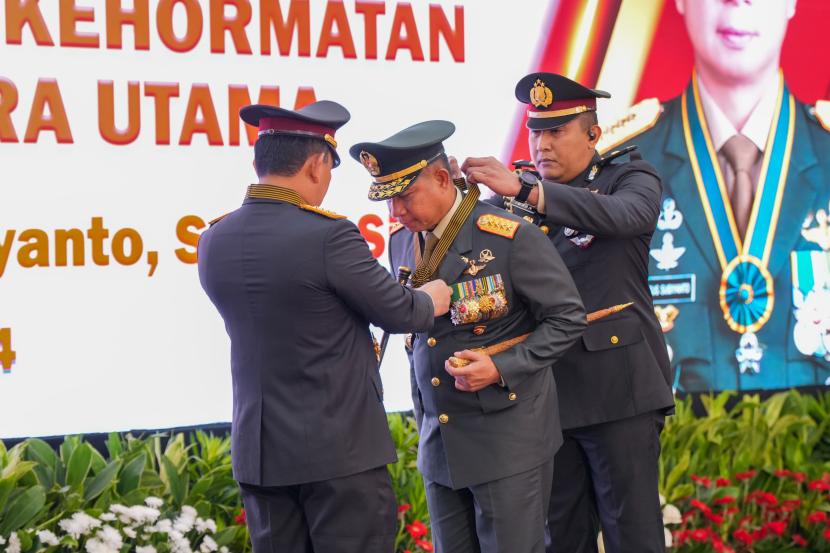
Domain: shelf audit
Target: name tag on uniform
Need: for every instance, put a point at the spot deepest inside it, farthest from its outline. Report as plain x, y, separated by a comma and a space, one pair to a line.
475, 301
672, 288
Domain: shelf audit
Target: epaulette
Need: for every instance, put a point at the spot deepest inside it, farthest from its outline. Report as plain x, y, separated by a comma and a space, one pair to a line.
321, 211
394, 227
821, 111
216, 220
500, 226
639, 118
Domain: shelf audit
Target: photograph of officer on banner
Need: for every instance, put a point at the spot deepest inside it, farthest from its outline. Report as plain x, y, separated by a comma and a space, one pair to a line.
739, 261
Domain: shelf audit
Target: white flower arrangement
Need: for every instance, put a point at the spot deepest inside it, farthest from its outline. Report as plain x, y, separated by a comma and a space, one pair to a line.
671, 515
139, 526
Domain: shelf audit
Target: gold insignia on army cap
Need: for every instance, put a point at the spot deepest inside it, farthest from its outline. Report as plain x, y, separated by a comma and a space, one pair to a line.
396, 162
540, 95
370, 162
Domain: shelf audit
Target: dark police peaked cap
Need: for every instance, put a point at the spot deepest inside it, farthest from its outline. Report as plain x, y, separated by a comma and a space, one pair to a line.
554, 100
395, 163
317, 120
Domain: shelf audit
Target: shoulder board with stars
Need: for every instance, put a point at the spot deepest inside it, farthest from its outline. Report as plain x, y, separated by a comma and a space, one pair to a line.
639, 118
822, 113
394, 227
217, 219
498, 225
321, 211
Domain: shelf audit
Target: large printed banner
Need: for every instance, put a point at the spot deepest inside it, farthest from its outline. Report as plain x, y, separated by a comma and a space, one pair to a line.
120, 139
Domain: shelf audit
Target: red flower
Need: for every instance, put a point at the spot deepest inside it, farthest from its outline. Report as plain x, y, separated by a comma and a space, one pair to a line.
704, 508
798, 539
681, 537
717, 519
819, 485
745, 475
816, 517
702, 480
827, 534
732, 511
782, 473
791, 505
799, 476
417, 529
777, 527
241, 518
404, 507
701, 534
723, 482
743, 536
425, 545
725, 500
762, 498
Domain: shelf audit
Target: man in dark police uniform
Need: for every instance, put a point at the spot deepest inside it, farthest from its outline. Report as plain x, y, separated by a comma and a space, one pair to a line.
297, 288
487, 420
615, 383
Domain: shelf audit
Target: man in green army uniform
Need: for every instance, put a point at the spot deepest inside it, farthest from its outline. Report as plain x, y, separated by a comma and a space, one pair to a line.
487, 419
740, 269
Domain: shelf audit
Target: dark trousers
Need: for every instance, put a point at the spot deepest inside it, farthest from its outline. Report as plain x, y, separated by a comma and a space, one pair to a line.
502, 516
353, 514
606, 474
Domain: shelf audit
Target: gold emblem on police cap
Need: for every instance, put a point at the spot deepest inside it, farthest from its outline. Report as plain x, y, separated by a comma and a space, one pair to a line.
540, 95
370, 162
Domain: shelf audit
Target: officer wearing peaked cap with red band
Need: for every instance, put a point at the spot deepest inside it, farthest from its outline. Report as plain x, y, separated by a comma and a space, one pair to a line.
297, 288
615, 383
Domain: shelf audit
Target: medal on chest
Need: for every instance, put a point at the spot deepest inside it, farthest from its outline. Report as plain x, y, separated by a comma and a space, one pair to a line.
745, 295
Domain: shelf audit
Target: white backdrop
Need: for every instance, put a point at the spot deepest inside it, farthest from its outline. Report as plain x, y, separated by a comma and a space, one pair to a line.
107, 347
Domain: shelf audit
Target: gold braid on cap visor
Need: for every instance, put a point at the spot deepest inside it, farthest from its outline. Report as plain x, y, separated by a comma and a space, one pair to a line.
558, 112
327, 137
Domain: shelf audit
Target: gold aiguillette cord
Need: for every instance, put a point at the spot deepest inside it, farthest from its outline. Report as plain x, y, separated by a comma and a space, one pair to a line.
507, 344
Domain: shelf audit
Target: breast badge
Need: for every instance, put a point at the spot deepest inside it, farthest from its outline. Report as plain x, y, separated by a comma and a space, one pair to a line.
479, 300
578, 239
667, 255
476, 265
749, 354
666, 314
670, 217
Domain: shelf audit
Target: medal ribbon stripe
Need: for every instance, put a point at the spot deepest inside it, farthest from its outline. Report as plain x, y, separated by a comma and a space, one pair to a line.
710, 181
773, 171
746, 290
427, 267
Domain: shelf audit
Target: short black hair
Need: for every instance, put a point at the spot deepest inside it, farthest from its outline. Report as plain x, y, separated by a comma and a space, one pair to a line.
285, 154
588, 119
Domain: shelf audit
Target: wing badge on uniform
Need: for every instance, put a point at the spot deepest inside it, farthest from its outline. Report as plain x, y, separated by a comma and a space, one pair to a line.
475, 265
667, 255
479, 300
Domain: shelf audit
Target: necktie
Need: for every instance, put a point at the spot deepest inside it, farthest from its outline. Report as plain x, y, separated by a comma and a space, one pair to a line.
741, 154
431, 242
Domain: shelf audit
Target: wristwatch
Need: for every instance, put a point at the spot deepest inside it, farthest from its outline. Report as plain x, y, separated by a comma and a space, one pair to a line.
529, 181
